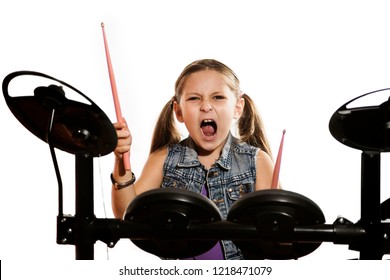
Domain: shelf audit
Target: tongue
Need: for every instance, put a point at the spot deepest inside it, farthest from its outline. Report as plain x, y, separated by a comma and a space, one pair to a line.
208, 130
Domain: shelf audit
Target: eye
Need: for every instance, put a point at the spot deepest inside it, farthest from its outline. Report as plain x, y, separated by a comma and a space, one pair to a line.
219, 97
192, 98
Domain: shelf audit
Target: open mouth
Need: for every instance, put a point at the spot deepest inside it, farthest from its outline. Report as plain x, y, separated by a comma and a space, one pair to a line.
208, 127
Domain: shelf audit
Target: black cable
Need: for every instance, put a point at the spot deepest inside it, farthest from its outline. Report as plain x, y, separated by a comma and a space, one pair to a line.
54, 158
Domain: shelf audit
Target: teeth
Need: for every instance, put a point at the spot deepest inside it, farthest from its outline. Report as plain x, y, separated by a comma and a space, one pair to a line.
209, 127
208, 122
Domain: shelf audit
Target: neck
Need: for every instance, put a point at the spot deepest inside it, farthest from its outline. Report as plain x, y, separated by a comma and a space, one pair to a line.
209, 159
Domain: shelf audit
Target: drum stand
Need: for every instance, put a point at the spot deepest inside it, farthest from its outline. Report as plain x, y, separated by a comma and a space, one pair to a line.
274, 224
366, 129
372, 248
84, 209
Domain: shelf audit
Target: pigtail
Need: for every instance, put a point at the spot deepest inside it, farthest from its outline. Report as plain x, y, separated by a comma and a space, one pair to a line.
165, 131
251, 128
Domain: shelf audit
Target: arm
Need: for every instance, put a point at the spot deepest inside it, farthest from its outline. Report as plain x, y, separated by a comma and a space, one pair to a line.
150, 178
264, 171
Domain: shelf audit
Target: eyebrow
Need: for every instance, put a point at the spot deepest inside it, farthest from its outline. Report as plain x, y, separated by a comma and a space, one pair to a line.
213, 93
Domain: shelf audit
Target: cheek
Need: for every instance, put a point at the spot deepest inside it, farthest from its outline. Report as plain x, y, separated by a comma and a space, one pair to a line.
188, 116
188, 111
230, 111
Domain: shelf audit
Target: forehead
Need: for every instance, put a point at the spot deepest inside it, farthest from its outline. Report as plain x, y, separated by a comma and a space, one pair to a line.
205, 81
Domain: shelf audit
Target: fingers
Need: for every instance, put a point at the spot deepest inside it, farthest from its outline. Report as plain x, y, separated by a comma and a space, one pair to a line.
120, 125
124, 139
122, 130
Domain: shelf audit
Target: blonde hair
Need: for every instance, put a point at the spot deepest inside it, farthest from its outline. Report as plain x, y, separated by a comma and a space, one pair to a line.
250, 125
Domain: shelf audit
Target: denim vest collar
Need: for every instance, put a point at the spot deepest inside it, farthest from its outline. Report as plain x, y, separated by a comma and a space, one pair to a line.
189, 157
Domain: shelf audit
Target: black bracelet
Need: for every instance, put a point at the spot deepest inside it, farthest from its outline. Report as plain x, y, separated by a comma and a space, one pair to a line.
120, 186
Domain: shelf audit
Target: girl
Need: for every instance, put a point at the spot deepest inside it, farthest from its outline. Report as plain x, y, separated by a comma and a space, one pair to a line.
210, 160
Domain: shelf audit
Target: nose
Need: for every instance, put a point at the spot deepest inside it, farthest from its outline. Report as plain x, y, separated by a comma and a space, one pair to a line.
206, 106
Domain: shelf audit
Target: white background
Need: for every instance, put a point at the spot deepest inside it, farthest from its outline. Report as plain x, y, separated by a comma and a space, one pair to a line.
299, 60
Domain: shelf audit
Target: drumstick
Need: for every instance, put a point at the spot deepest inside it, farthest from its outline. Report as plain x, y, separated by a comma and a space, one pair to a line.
126, 157
275, 176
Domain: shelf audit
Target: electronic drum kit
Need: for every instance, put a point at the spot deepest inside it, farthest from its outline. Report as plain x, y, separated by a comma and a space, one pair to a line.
176, 223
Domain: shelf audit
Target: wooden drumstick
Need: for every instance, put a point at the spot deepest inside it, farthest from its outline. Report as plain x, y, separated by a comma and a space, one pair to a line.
126, 156
275, 176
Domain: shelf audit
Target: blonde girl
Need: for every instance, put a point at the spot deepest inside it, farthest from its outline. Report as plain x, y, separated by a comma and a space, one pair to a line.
210, 161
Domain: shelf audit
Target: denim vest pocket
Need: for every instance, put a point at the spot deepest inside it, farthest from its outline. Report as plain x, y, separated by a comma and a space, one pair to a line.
237, 190
173, 183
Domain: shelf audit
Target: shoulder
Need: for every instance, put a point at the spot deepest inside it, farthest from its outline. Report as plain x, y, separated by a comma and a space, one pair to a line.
158, 155
263, 159
155, 162
262, 155
151, 176
264, 170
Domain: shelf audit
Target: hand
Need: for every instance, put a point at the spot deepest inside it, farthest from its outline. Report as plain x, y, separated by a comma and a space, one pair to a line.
124, 139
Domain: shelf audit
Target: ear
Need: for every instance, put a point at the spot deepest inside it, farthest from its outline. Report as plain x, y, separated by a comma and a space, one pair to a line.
239, 108
178, 112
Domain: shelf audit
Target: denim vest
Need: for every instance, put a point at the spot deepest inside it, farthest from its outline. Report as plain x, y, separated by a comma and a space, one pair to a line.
232, 176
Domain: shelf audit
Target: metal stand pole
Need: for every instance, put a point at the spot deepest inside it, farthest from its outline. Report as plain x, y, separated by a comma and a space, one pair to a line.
370, 249
84, 242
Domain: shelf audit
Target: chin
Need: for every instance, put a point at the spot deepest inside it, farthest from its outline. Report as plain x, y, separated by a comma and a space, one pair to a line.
210, 146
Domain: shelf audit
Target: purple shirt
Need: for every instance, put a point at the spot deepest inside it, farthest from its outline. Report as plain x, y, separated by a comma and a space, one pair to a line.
214, 253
